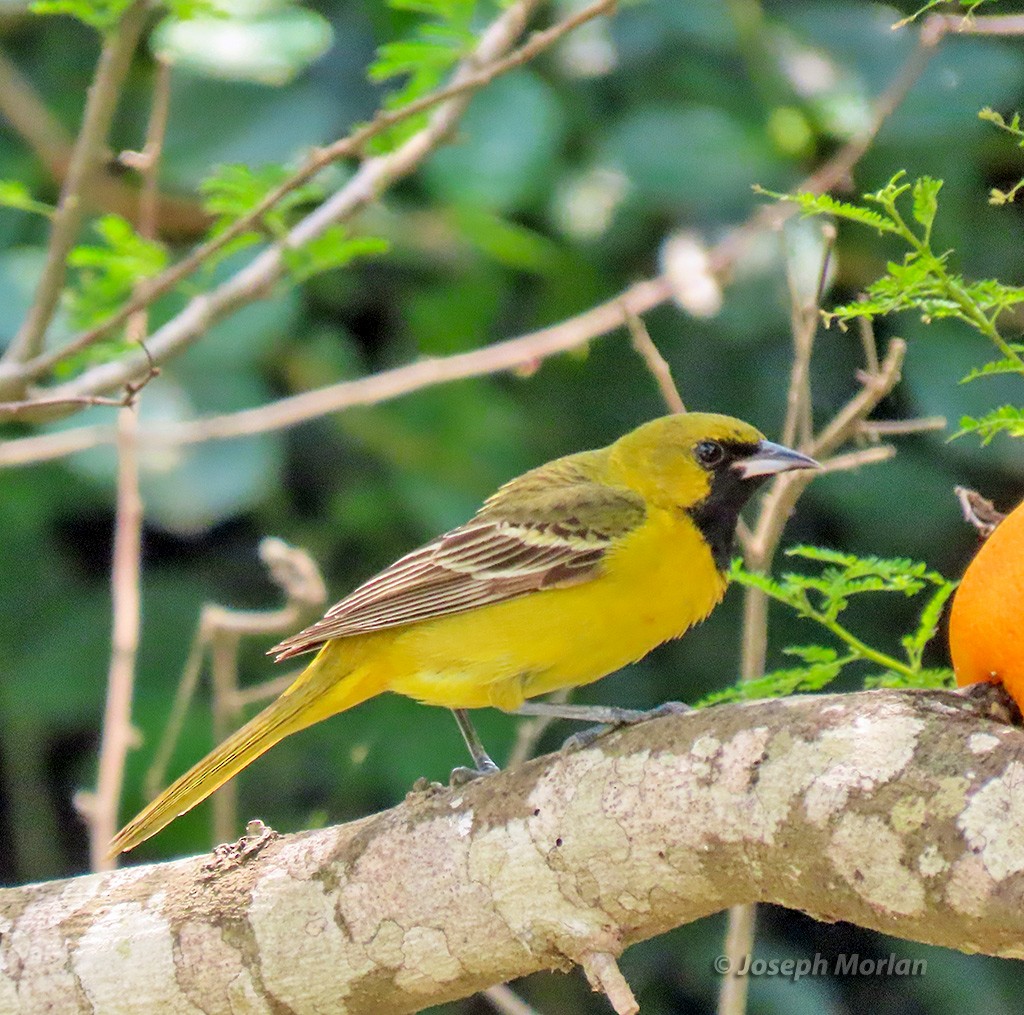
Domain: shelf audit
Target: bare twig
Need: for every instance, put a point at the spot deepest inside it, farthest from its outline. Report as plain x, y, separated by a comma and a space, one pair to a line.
26, 112
507, 1001
986, 24
224, 679
220, 631
892, 427
101, 103
604, 975
20, 104
978, 511
127, 556
569, 334
381, 387
17, 409
858, 459
655, 362
739, 942
472, 78
118, 735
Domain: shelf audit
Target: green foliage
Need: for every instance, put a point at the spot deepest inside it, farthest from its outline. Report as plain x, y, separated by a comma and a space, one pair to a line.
108, 272
99, 14
970, 6
234, 191
14, 194
999, 366
1007, 419
923, 281
333, 248
822, 598
423, 58
105, 14
1014, 129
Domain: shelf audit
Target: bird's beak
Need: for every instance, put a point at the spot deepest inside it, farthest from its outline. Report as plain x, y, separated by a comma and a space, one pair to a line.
770, 458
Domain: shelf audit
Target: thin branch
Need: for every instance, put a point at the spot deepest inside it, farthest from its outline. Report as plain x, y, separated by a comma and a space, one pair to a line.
604, 975
464, 84
101, 103
653, 360
568, 334
858, 459
893, 427
978, 511
15, 410
126, 578
177, 216
739, 942
26, 112
118, 735
507, 1001
224, 679
219, 631
986, 24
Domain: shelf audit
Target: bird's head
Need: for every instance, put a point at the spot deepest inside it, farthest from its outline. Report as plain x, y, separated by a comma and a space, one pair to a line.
705, 464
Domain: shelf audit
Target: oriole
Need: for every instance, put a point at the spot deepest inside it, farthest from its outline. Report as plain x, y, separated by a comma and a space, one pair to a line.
986, 623
567, 573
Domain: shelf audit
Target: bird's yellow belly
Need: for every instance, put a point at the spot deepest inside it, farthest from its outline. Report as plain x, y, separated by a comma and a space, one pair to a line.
653, 587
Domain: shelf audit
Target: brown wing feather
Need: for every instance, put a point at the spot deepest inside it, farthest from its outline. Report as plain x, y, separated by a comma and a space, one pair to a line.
502, 553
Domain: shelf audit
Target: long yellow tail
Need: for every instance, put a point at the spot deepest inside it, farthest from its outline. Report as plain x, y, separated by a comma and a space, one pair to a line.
320, 691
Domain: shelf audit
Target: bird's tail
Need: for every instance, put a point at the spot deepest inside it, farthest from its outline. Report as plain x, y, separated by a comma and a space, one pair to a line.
317, 693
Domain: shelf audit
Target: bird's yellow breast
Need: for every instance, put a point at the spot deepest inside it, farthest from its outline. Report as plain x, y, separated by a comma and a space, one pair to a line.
655, 584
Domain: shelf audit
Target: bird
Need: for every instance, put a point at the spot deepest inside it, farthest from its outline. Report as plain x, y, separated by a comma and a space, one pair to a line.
566, 574
986, 621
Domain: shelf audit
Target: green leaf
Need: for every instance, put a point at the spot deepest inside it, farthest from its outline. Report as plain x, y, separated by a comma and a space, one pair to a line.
931, 678
99, 14
1007, 419
926, 201
331, 249
423, 58
108, 272
14, 194
825, 204
824, 665
928, 624
999, 366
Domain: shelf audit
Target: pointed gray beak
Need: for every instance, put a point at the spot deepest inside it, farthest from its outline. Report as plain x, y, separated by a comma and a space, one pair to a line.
770, 458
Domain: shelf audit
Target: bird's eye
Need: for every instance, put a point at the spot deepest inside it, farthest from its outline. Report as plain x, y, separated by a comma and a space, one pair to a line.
710, 452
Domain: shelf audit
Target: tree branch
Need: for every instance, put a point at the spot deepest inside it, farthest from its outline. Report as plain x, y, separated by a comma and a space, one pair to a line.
100, 105
479, 70
842, 806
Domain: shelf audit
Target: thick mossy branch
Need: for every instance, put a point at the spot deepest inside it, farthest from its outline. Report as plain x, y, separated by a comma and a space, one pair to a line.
897, 810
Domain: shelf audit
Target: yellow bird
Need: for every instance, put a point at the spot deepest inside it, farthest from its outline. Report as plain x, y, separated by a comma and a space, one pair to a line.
566, 574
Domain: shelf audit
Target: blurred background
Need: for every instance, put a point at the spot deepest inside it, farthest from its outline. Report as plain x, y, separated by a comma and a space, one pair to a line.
562, 186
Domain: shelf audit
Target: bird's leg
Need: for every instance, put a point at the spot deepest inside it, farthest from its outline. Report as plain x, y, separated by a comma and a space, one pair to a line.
606, 716
481, 759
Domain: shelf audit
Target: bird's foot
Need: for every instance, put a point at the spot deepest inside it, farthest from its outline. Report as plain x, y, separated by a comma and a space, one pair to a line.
424, 787
990, 701
463, 774
612, 718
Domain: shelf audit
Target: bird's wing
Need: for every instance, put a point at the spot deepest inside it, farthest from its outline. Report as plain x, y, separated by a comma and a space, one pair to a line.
537, 532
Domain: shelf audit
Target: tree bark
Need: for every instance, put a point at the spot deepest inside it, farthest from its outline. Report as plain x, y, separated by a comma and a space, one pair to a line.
897, 810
